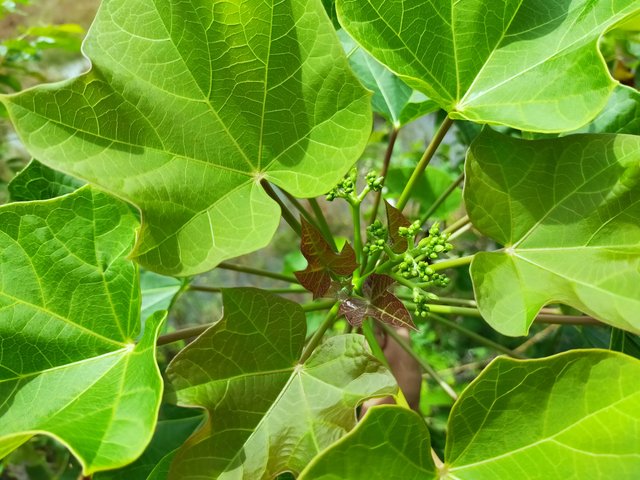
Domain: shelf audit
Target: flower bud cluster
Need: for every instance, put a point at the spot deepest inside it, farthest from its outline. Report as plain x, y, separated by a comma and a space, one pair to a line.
376, 237
421, 299
416, 262
374, 182
346, 188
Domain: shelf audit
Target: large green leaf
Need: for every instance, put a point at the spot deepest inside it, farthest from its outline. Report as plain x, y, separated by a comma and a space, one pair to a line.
574, 415
567, 211
189, 105
69, 319
268, 413
529, 64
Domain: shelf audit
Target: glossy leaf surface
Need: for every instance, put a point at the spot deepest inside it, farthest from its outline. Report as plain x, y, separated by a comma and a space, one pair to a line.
188, 106
580, 421
532, 64
268, 414
70, 305
567, 211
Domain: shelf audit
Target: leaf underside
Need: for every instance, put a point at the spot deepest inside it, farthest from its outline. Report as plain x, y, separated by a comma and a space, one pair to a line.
188, 106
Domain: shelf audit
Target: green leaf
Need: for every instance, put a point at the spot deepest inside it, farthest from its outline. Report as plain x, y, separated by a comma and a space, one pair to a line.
188, 106
573, 415
567, 211
529, 64
621, 114
39, 182
388, 439
267, 413
580, 421
390, 94
169, 435
322, 261
158, 292
70, 311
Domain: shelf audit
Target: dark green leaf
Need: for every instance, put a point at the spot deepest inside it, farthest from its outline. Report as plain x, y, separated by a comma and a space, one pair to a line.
39, 182
267, 413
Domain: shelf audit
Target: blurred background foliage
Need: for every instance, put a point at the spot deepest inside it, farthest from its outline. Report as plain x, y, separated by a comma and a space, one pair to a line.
40, 41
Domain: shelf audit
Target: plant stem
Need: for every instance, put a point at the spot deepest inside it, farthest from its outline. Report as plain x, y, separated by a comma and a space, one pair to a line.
183, 334
473, 335
424, 161
424, 365
204, 288
457, 225
289, 217
322, 329
460, 231
258, 272
298, 206
316, 306
452, 263
357, 233
322, 223
441, 199
538, 337
393, 136
541, 318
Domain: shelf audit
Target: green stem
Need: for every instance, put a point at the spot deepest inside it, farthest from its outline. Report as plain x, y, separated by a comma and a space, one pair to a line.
357, 233
316, 306
393, 136
258, 272
322, 223
473, 335
289, 217
422, 164
458, 224
441, 199
183, 334
204, 288
424, 365
452, 263
541, 318
322, 329
367, 331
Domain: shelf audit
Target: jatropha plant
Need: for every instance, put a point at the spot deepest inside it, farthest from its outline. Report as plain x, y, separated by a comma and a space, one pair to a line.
201, 123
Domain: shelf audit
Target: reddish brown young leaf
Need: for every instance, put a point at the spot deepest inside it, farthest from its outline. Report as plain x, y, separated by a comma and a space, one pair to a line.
395, 220
322, 261
355, 310
378, 303
384, 305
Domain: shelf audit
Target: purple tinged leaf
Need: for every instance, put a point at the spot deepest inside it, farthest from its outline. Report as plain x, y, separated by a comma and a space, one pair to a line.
322, 261
395, 220
378, 303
